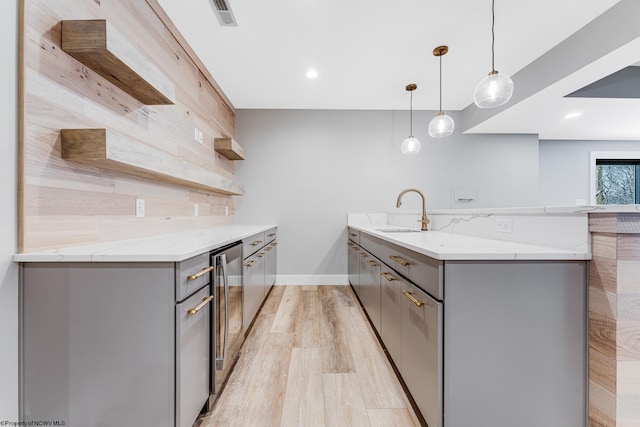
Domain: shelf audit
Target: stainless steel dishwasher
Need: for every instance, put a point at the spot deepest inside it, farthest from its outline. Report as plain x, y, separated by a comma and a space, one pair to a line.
227, 326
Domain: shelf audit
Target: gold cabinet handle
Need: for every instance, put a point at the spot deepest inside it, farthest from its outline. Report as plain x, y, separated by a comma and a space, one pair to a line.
256, 243
387, 276
274, 244
412, 298
372, 263
249, 264
271, 234
353, 234
268, 249
198, 307
199, 274
261, 254
355, 248
362, 254
402, 262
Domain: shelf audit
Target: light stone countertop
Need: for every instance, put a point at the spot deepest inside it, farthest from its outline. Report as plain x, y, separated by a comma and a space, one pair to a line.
549, 210
164, 248
447, 246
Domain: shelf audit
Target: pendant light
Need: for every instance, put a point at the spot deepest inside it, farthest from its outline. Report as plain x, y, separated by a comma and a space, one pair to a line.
441, 125
495, 89
411, 145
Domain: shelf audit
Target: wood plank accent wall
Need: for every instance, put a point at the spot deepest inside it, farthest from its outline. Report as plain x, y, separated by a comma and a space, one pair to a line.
64, 202
614, 320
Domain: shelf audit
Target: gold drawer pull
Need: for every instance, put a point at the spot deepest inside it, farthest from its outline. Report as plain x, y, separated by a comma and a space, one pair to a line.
355, 248
412, 298
402, 262
198, 307
199, 274
387, 276
271, 234
249, 264
261, 254
256, 243
362, 254
372, 263
353, 234
268, 249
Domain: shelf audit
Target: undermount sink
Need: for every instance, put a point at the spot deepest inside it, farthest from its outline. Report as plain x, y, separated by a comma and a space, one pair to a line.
397, 230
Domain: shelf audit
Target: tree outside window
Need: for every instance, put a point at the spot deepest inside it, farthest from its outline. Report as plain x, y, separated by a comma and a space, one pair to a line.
617, 182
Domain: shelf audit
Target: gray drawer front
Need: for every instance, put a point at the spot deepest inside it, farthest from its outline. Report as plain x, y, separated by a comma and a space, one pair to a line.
192, 357
425, 272
270, 235
185, 285
371, 244
354, 235
251, 244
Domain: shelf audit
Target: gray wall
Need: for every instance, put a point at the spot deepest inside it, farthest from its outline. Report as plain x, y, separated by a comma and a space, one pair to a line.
564, 168
8, 185
306, 169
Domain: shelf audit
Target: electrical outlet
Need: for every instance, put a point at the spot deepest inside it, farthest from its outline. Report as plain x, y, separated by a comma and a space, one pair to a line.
226, 210
504, 225
195, 209
139, 208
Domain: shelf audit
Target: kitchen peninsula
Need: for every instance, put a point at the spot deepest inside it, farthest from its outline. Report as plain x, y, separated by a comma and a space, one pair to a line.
608, 235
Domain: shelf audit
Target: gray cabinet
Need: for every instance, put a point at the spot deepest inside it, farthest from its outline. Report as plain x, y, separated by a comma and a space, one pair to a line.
483, 343
106, 344
422, 355
253, 277
271, 260
391, 313
259, 271
370, 287
193, 327
353, 266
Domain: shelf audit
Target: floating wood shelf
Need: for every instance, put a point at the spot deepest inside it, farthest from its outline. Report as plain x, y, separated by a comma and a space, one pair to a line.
100, 47
229, 148
115, 152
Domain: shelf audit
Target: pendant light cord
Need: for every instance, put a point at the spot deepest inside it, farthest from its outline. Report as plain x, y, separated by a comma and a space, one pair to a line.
411, 113
493, 34
441, 83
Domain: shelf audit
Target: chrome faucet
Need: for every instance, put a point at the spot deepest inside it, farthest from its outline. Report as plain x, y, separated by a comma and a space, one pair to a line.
424, 220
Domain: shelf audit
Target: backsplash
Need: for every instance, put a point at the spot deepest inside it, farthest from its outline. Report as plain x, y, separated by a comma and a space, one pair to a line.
71, 202
566, 230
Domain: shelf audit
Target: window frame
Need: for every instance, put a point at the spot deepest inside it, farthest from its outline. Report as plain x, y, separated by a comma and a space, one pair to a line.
606, 155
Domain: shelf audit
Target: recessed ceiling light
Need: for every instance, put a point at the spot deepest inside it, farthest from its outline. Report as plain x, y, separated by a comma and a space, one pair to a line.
572, 115
312, 74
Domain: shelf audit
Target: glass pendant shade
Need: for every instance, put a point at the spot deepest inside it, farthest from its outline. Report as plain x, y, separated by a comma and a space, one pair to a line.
411, 145
493, 91
441, 126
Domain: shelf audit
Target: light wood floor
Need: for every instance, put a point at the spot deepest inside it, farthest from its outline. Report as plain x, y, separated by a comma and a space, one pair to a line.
311, 359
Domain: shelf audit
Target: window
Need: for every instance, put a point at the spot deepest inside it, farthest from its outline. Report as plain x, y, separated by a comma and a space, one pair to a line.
617, 182
615, 178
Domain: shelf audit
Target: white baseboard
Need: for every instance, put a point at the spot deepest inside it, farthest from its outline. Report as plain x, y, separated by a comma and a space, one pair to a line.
340, 279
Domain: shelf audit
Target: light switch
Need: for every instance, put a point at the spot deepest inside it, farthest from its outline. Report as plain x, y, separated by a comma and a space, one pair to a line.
139, 208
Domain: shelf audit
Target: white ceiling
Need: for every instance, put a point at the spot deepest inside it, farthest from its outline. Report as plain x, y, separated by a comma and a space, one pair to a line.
367, 51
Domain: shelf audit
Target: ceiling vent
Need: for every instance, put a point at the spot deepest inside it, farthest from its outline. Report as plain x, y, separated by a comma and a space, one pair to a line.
224, 13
